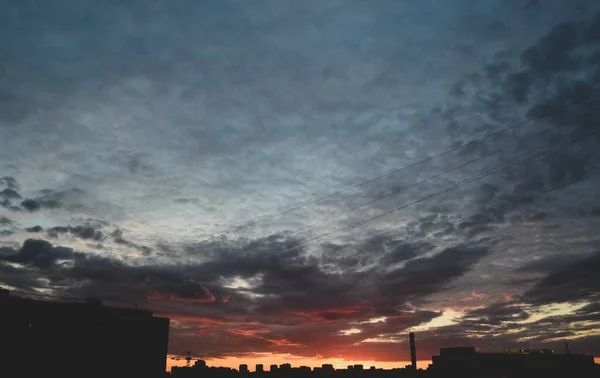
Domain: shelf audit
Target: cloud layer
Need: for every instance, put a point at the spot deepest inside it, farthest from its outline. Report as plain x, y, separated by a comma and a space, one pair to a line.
142, 146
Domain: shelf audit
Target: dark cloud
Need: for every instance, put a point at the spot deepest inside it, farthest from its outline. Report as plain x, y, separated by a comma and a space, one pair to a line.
568, 283
9, 182
4, 221
479, 220
38, 253
186, 200
403, 251
92, 273
290, 285
10, 194
34, 229
427, 275
82, 231
381, 249
117, 236
548, 264
8, 197
70, 199
32, 205
552, 72
494, 315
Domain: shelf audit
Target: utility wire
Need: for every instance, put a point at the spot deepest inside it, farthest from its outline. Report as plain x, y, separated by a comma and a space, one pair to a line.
453, 169
479, 176
443, 173
473, 142
522, 199
456, 186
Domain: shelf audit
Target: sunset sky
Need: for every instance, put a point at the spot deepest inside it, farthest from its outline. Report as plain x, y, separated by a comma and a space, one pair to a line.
205, 160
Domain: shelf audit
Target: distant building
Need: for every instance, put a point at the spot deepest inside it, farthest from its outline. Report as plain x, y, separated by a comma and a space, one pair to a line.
206, 372
285, 366
200, 364
243, 368
42, 338
259, 368
273, 367
466, 359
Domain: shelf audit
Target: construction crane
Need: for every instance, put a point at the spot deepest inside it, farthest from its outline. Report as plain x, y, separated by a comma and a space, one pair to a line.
187, 358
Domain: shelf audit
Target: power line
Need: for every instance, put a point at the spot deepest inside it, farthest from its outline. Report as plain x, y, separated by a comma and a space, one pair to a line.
456, 186
522, 199
455, 168
444, 172
477, 177
473, 142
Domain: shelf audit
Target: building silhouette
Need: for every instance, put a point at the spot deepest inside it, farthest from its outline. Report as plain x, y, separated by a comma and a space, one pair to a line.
466, 362
43, 338
200, 364
201, 370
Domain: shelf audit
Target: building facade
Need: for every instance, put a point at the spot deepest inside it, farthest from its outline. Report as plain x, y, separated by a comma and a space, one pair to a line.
41, 338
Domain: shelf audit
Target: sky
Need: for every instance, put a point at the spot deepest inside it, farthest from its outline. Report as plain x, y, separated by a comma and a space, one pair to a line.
266, 173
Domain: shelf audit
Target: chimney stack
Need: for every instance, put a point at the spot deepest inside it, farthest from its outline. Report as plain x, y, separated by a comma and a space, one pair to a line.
413, 351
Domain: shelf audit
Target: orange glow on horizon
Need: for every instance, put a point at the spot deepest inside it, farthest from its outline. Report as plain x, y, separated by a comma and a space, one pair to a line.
268, 359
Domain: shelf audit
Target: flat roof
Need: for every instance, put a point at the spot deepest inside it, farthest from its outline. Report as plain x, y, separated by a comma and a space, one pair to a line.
80, 308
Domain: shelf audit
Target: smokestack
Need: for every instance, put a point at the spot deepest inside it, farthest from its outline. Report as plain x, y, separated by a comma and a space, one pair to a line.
413, 351
567, 348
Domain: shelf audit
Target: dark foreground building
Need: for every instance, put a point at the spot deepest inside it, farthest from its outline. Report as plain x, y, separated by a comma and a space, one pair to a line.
466, 362
56, 339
